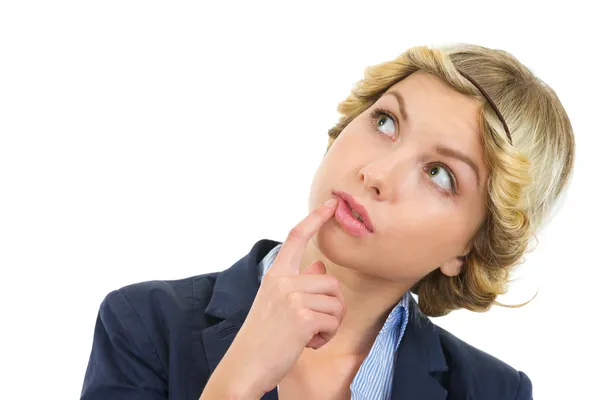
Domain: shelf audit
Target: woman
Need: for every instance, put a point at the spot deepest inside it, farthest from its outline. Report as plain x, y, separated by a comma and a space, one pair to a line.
442, 167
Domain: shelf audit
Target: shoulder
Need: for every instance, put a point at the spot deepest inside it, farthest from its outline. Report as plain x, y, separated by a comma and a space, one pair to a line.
194, 303
142, 336
151, 334
482, 374
155, 319
165, 301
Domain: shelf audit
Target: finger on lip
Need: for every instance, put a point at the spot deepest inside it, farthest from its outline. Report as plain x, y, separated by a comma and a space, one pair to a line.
290, 254
332, 202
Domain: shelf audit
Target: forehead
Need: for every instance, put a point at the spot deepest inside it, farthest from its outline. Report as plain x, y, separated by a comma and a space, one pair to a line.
427, 96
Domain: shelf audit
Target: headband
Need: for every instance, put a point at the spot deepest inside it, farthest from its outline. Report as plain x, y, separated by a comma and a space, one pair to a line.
489, 99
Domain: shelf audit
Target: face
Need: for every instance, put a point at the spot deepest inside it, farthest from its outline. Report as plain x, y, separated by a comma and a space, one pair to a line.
415, 161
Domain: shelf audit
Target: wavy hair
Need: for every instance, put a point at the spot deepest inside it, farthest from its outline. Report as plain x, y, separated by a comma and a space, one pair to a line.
525, 178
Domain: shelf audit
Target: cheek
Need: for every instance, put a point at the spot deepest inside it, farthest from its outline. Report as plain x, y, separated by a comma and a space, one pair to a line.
423, 238
350, 142
344, 156
420, 227
333, 170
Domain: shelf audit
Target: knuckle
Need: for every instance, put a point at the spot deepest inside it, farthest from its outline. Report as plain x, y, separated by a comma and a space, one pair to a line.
283, 284
334, 320
333, 282
339, 309
335, 323
295, 233
295, 300
306, 317
269, 278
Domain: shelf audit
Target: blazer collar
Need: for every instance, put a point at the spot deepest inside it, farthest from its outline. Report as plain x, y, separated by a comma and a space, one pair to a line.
233, 294
420, 370
236, 287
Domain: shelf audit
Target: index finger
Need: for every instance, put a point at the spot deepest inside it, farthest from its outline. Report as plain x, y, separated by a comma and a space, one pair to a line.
290, 255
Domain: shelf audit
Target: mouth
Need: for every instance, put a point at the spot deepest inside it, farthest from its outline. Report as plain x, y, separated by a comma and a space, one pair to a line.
356, 215
358, 210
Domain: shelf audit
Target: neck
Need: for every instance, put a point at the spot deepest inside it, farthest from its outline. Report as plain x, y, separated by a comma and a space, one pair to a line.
368, 299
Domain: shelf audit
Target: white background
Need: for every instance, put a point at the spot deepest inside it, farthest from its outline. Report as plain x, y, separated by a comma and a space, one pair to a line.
159, 140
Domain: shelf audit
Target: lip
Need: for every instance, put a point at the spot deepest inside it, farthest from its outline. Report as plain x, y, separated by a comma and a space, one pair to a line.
356, 206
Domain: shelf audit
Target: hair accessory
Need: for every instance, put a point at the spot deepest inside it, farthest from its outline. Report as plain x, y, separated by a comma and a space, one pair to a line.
489, 99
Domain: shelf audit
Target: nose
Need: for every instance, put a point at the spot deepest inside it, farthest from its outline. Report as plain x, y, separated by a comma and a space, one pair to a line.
382, 176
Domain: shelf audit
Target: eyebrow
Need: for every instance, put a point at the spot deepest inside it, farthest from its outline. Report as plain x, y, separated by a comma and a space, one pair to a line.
401, 104
448, 152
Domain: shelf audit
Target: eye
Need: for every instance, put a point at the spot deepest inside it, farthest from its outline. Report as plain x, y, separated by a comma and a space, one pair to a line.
383, 120
442, 177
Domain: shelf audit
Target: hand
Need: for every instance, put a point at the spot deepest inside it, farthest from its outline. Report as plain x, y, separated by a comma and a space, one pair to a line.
291, 311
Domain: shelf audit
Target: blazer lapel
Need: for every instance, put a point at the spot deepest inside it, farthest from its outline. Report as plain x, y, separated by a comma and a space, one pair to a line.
420, 364
233, 294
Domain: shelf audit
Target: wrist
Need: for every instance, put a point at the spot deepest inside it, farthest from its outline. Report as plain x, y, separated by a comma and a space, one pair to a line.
234, 383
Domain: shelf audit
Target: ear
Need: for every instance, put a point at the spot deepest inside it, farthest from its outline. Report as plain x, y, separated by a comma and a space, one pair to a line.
453, 266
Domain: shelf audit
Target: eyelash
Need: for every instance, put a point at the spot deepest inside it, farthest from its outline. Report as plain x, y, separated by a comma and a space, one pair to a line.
378, 112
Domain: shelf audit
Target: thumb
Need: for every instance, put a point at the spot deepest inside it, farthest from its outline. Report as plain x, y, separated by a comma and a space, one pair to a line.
316, 268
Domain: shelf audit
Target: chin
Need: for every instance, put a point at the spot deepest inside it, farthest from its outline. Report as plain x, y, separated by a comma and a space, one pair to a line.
337, 246
344, 250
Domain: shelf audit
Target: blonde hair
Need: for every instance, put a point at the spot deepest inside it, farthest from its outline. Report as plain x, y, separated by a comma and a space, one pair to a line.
525, 178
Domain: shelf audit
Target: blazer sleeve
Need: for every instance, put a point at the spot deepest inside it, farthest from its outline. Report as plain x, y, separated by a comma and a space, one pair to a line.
525, 388
123, 362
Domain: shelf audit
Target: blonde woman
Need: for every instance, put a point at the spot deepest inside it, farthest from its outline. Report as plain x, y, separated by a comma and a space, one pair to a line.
441, 169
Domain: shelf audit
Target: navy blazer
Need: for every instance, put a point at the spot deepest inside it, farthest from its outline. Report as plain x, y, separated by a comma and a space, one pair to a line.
162, 340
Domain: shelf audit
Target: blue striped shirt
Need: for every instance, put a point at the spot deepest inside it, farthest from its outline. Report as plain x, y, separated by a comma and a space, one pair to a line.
373, 381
